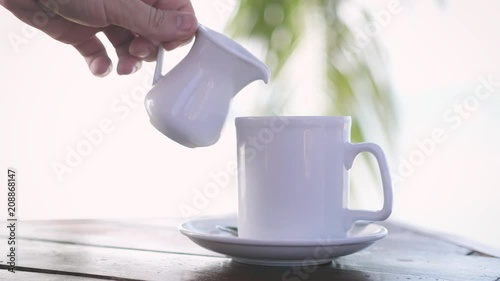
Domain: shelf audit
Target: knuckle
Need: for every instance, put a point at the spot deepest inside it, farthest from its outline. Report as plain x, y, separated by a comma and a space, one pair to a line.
107, 16
111, 12
156, 19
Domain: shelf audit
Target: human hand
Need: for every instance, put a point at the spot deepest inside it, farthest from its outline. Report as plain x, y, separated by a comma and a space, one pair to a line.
134, 27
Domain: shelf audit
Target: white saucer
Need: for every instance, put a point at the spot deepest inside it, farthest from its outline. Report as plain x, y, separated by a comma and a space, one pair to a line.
204, 232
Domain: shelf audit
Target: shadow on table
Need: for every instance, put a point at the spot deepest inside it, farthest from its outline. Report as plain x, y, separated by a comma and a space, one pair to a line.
234, 271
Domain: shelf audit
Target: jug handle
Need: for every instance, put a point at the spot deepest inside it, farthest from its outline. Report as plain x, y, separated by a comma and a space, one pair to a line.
159, 65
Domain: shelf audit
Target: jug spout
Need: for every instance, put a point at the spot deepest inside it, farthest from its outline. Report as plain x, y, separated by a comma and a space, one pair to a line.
243, 65
252, 70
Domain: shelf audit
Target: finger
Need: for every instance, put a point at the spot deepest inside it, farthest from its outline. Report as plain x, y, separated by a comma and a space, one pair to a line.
143, 48
52, 24
120, 39
95, 55
159, 25
81, 37
177, 5
147, 50
134, 15
88, 13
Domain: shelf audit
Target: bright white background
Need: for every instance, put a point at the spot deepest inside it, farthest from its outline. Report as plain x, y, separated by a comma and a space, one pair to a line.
436, 57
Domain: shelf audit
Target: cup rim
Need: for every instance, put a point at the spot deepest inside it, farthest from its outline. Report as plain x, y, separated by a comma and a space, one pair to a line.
310, 121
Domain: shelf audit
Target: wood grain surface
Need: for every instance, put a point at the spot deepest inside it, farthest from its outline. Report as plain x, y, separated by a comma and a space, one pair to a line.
155, 250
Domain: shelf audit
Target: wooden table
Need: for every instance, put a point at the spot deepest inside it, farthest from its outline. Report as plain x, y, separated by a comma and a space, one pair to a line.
155, 250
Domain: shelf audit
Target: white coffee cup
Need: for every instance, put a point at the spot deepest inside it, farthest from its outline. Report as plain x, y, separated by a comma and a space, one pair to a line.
294, 177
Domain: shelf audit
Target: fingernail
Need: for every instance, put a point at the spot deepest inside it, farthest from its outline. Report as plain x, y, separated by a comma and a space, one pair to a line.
142, 53
185, 22
96, 67
108, 71
136, 67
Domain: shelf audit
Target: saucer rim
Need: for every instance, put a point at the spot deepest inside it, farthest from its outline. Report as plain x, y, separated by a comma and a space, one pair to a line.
371, 237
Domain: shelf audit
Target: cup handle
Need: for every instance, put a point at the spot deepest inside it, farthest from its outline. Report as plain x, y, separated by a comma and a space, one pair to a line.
351, 151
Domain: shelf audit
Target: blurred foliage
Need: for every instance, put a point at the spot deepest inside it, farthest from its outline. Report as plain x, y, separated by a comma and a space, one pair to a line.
354, 73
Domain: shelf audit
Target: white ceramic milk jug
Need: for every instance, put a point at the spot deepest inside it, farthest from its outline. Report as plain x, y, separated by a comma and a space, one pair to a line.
191, 102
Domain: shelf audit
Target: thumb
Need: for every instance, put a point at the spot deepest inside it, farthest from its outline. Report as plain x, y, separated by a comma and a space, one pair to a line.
150, 22
134, 15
